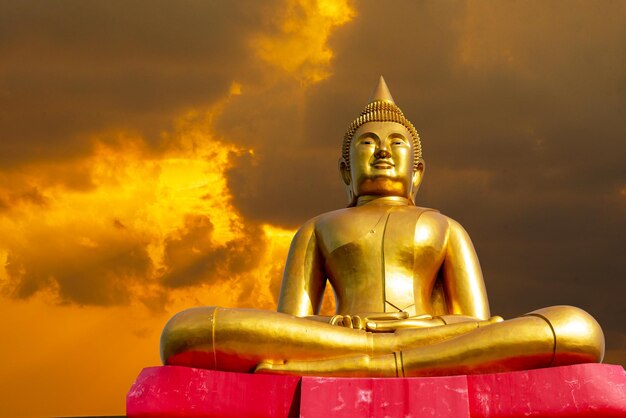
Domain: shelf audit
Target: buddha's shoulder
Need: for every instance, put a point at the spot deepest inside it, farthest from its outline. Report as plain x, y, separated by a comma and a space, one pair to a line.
436, 221
344, 215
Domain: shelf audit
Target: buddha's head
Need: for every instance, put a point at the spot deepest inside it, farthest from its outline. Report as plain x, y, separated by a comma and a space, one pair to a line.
381, 153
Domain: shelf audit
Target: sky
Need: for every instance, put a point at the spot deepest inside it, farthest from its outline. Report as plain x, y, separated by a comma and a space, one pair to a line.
160, 155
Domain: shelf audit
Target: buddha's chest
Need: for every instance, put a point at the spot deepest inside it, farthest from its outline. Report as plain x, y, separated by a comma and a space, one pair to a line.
379, 259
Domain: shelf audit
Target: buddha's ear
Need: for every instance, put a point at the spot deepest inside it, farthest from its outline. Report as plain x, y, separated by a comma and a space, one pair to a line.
345, 172
418, 175
347, 181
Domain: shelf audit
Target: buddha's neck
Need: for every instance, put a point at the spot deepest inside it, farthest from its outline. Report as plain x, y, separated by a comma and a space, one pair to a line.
383, 200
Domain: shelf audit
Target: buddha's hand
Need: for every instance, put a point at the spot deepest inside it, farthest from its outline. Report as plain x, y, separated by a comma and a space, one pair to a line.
361, 320
425, 321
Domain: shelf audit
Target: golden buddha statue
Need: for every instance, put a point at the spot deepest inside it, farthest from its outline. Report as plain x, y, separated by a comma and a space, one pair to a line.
410, 296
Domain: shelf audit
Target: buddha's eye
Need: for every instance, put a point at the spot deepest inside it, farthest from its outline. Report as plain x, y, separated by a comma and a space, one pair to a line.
367, 142
397, 142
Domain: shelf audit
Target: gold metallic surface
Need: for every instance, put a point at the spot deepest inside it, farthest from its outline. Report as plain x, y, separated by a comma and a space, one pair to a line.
410, 296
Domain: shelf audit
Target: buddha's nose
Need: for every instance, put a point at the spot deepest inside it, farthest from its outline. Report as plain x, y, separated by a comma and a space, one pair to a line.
382, 153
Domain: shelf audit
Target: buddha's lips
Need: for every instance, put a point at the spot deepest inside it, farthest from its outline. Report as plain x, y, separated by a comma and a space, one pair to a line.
384, 164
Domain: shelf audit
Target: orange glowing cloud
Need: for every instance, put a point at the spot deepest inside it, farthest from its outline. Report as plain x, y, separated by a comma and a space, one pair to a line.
298, 44
153, 233
151, 223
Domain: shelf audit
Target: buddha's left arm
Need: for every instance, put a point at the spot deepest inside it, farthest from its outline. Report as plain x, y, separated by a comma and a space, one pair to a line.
462, 277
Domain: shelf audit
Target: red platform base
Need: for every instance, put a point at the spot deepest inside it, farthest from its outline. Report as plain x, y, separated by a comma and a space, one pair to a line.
170, 391
585, 390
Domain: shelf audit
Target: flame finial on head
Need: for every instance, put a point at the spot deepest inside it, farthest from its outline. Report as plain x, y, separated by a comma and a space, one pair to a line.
381, 92
381, 108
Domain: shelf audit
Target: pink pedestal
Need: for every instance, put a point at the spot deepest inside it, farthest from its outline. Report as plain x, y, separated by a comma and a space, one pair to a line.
586, 390
170, 391
583, 390
369, 397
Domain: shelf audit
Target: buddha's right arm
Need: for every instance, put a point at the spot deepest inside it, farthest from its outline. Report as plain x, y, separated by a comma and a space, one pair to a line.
304, 278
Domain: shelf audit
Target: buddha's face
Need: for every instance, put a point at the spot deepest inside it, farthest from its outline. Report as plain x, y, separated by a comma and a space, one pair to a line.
382, 160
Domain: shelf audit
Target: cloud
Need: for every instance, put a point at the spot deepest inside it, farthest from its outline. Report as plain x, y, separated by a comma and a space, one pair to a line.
118, 143
72, 69
192, 257
150, 222
82, 270
298, 43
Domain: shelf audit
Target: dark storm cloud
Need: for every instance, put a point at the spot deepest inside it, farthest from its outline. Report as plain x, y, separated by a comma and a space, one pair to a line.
292, 165
72, 68
28, 196
192, 256
83, 271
